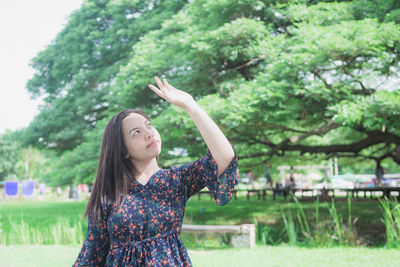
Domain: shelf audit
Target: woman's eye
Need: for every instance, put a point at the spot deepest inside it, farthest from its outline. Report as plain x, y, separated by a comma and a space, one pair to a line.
135, 132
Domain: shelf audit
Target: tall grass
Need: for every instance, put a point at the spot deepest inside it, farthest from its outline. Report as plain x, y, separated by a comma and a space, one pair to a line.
311, 224
391, 219
264, 233
319, 232
290, 228
63, 232
70, 231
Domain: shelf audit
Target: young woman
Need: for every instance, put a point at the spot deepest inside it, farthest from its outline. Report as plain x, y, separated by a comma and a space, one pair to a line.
136, 209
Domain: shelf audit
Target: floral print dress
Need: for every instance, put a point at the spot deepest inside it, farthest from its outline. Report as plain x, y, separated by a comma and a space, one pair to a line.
146, 230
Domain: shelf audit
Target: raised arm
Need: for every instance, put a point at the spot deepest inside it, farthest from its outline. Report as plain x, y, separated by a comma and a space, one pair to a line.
216, 141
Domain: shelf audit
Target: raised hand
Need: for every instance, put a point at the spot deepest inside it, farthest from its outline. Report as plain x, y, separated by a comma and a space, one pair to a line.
216, 141
171, 94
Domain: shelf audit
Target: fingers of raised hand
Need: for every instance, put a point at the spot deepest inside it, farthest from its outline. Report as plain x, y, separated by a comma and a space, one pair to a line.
163, 87
165, 83
159, 83
155, 90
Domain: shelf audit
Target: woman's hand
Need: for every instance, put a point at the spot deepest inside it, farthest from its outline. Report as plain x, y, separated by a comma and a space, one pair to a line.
171, 94
216, 141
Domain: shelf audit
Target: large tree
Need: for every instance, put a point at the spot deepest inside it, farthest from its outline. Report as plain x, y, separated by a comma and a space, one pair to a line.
282, 78
8, 156
318, 78
75, 72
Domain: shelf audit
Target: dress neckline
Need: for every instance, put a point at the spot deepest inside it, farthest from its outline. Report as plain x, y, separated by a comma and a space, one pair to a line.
151, 177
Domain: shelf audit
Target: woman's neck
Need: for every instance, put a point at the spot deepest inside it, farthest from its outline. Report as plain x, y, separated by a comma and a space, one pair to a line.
145, 169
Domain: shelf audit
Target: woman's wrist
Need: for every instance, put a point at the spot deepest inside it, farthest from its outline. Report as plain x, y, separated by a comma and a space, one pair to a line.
191, 106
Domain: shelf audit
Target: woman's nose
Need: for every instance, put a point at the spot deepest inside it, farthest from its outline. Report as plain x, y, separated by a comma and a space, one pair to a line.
149, 133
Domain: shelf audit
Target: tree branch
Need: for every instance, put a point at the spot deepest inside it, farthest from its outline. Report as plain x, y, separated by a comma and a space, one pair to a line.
316, 73
373, 138
364, 90
284, 145
250, 62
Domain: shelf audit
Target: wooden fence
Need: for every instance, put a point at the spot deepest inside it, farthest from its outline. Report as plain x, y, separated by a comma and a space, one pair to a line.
372, 193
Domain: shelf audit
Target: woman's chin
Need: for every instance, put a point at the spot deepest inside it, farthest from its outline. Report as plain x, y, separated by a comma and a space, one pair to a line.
157, 151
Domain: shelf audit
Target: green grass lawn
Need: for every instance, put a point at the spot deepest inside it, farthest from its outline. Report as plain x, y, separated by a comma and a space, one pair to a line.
42, 215
56, 255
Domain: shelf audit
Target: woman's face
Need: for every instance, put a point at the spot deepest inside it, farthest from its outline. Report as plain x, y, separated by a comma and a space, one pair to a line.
142, 140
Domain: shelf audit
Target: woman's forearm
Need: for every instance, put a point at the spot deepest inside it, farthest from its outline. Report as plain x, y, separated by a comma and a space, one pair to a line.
216, 141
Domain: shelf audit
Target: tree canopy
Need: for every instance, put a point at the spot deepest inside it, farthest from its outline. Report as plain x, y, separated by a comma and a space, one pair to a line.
283, 79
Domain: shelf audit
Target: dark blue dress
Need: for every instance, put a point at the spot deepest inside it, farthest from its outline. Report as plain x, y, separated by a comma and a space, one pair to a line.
146, 230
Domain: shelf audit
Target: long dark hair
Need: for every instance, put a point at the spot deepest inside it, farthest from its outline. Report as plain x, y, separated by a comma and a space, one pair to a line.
114, 172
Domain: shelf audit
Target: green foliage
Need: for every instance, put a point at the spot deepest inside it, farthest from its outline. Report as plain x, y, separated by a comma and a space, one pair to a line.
31, 164
323, 232
77, 166
373, 9
21, 162
8, 156
281, 78
320, 14
391, 218
75, 72
393, 16
373, 112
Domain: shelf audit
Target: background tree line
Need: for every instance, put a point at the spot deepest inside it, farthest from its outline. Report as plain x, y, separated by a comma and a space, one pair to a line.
287, 81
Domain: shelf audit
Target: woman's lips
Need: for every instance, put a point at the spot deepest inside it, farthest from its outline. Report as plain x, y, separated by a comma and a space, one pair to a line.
152, 143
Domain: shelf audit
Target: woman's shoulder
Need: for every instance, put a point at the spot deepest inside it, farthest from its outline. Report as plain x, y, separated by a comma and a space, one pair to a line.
170, 172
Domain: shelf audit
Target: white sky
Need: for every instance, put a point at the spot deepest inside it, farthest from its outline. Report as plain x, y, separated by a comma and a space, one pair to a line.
26, 28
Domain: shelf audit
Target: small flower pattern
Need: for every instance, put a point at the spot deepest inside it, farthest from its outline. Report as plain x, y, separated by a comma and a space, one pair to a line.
145, 231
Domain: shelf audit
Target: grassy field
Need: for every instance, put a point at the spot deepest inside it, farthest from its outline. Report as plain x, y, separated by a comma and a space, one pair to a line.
33, 217
56, 255
27, 226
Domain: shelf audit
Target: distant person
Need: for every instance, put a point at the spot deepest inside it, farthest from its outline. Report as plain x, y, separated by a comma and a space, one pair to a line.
292, 182
83, 188
42, 190
268, 173
76, 192
58, 191
324, 191
278, 187
136, 209
250, 176
291, 176
90, 189
71, 192
238, 176
379, 173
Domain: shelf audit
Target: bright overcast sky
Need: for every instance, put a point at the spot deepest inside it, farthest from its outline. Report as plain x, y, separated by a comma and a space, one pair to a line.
26, 27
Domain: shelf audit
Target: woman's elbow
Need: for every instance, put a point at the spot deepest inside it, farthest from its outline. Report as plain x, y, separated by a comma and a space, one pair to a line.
223, 202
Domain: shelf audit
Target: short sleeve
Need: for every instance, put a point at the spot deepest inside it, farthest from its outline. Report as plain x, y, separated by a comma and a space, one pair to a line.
204, 172
95, 248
